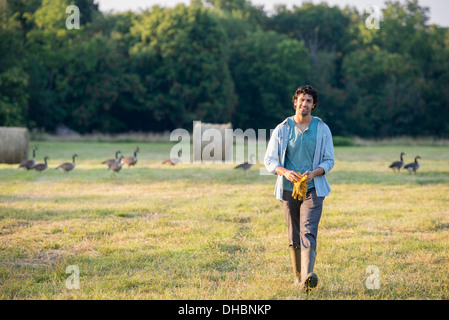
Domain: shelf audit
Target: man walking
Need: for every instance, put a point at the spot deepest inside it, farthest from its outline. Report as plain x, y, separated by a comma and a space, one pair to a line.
302, 143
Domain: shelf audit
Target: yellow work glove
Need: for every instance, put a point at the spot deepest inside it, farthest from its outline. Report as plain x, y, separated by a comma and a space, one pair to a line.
300, 189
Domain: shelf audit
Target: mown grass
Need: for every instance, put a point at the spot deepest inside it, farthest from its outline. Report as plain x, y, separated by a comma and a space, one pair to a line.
210, 232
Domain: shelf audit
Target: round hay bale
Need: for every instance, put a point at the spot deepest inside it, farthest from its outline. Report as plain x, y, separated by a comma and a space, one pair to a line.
203, 141
13, 144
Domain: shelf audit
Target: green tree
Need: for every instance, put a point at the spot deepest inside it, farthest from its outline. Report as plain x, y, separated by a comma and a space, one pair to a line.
241, 9
88, 10
321, 27
99, 89
266, 68
435, 89
181, 57
49, 44
220, 61
13, 78
383, 93
419, 94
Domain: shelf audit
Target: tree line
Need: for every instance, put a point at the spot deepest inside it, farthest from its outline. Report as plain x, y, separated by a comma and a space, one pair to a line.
222, 61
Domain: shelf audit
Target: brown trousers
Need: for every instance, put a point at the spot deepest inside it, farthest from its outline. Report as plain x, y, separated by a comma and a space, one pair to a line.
302, 219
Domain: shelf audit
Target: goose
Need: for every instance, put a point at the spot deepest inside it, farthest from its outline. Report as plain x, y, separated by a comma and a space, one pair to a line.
116, 165
398, 164
246, 165
27, 164
68, 166
174, 161
131, 161
41, 166
413, 166
110, 161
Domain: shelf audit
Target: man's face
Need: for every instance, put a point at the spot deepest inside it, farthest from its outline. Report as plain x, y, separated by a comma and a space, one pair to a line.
304, 104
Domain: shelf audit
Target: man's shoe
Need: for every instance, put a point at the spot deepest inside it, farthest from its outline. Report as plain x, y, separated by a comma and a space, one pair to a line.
309, 280
309, 283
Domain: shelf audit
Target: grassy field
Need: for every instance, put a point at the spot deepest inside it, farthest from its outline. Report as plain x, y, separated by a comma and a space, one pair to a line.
210, 232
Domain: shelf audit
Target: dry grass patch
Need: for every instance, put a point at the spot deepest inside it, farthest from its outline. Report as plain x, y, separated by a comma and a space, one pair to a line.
210, 232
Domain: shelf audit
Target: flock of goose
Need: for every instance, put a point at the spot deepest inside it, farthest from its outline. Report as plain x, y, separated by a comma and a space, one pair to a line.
411, 167
113, 164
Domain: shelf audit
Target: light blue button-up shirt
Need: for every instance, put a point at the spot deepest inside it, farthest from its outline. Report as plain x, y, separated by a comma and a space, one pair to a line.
324, 156
300, 150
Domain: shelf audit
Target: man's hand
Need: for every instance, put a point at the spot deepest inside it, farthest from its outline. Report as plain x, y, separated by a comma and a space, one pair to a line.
289, 174
312, 174
292, 176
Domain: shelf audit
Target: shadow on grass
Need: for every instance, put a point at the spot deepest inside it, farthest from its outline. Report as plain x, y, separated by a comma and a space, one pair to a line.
76, 213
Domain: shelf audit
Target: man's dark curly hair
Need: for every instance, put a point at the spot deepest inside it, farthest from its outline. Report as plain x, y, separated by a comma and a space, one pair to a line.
306, 90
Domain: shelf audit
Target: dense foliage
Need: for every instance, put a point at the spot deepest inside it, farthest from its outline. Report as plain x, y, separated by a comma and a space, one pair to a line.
222, 61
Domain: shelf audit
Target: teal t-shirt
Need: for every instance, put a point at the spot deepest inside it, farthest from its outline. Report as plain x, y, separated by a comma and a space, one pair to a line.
300, 150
